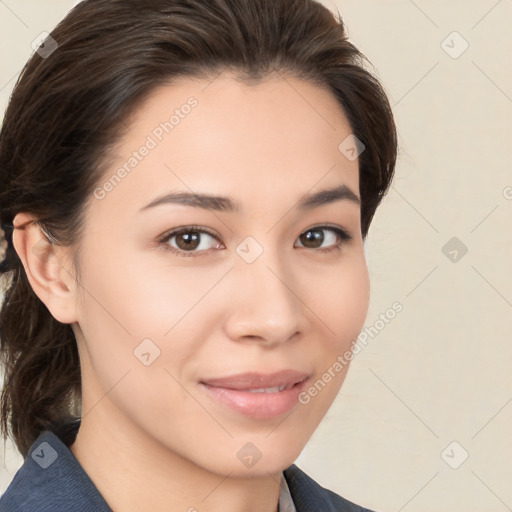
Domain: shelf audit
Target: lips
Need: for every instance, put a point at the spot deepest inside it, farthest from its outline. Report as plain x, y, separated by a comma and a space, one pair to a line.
257, 381
257, 395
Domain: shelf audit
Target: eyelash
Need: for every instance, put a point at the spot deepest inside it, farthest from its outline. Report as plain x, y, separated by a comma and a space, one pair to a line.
343, 237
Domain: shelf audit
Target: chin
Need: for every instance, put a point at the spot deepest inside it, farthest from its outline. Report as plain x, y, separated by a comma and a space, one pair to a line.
260, 470
248, 461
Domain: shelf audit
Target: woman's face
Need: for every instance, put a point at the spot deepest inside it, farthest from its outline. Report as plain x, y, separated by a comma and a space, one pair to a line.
260, 288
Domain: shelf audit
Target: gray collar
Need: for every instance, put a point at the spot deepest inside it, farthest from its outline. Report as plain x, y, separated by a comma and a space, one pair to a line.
285, 498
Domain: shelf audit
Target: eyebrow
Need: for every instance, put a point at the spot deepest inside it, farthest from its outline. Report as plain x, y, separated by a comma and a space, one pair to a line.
226, 204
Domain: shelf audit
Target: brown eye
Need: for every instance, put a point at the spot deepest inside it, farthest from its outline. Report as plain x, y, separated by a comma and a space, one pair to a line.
193, 240
189, 240
313, 238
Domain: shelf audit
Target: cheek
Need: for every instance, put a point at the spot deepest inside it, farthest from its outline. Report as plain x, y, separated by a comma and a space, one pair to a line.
134, 313
140, 300
354, 301
340, 300
342, 306
181, 310
175, 306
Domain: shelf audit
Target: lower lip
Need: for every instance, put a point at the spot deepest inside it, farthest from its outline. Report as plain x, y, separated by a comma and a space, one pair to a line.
257, 405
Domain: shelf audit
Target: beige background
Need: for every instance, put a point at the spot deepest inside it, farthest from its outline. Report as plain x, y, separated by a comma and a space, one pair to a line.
440, 371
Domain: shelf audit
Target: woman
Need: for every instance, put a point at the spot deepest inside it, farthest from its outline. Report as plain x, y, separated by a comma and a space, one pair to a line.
186, 186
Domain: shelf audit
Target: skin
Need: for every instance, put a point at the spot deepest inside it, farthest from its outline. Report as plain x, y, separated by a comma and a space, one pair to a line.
150, 438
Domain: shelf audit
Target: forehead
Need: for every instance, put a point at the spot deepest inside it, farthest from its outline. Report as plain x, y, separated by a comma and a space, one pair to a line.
275, 140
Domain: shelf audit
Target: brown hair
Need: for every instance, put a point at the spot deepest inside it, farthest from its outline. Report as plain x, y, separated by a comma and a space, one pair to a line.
68, 107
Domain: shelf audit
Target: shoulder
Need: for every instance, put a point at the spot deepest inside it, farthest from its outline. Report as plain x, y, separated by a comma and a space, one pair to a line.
308, 495
51, 480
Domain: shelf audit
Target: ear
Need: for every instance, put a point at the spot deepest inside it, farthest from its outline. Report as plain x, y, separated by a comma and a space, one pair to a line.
48, 268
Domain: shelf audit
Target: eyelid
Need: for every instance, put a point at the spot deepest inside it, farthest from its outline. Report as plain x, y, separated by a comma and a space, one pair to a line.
334, 227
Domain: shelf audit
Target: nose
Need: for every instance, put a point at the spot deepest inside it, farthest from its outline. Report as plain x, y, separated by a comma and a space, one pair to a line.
263, 306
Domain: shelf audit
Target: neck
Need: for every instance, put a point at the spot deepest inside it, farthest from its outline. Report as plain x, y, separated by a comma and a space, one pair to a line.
134, 472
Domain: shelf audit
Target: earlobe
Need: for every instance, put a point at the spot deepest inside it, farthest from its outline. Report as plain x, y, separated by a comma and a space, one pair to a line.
46, 268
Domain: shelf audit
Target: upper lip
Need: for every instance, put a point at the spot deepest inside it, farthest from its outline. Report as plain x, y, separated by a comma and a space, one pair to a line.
254, 380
